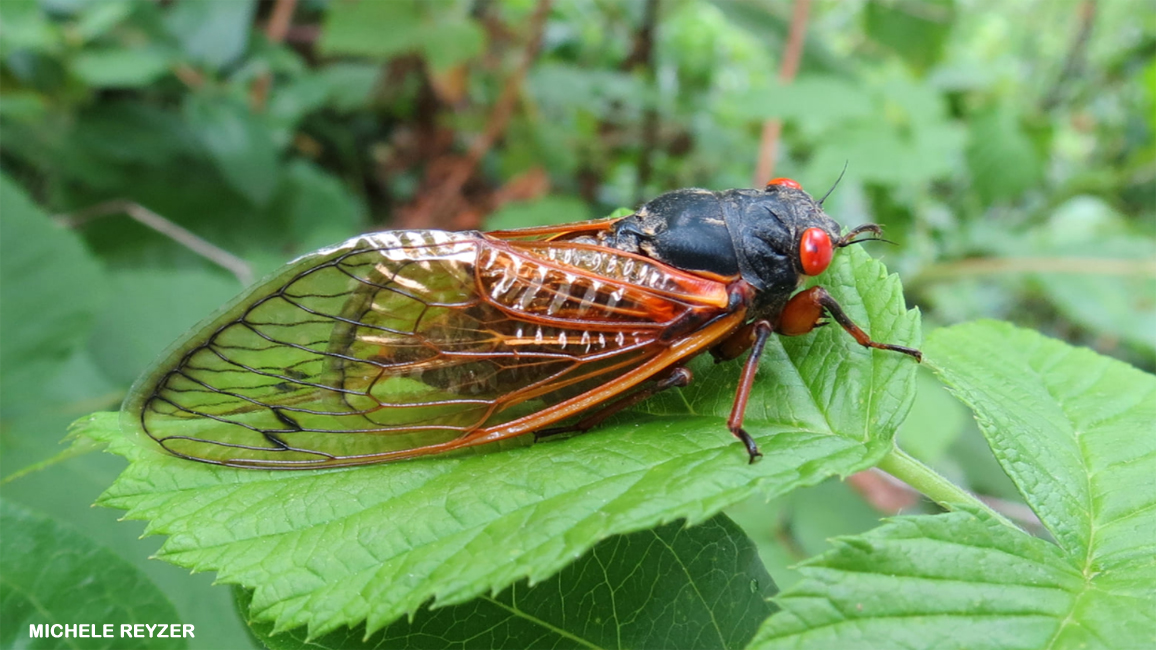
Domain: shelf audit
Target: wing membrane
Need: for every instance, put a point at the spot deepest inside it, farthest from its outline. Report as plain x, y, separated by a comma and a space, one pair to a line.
412, 342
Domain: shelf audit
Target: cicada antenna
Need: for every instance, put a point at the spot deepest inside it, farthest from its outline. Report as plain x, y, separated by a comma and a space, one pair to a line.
835, 185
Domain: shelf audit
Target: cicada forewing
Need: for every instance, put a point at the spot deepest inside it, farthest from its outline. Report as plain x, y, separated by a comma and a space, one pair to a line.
405, 343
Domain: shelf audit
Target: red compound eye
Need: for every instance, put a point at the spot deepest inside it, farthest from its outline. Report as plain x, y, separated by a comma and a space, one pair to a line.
784, 182
815, 251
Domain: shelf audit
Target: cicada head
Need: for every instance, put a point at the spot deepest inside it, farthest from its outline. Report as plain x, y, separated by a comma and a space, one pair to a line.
773, 238
782, 235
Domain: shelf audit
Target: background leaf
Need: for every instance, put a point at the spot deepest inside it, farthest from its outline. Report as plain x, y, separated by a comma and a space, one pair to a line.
239, 143
946, 581
697, 587
121, 68
53, 574
917, 31
148, 311
214, 33
1001, 157
380, 541
1073, 430
51, 291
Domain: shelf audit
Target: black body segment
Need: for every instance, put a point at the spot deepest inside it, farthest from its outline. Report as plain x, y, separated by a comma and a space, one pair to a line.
753, 234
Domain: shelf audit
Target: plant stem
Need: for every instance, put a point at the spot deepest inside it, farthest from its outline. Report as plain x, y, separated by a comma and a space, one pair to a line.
237, 266
904, 467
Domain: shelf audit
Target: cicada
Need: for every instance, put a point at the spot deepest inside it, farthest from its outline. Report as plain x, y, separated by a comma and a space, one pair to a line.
407, 343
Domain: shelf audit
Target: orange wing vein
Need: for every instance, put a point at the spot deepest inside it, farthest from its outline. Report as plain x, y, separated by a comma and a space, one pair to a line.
405, 343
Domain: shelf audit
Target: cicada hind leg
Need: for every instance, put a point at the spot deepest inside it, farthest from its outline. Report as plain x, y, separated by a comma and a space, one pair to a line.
676, 377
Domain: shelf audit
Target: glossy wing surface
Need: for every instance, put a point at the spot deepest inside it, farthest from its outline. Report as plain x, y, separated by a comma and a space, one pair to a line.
410, 342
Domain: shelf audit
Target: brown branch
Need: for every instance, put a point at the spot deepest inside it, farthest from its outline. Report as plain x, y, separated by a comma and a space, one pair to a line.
235, 265
642, 50
1074, 62
883, 492
190, 76
276, 30
279, 20
442, 197
643, 56
772, 128
891, 496
303, 36
504, 107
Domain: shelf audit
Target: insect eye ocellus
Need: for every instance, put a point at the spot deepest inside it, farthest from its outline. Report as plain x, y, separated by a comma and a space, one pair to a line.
784, 182
815, 251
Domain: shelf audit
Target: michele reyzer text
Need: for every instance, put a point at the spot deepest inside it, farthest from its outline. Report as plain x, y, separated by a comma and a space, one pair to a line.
111, 631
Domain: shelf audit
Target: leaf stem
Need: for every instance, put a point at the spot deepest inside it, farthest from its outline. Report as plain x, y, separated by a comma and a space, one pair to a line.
934, 486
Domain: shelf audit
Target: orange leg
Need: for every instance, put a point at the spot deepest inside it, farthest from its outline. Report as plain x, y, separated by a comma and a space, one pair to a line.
679, 377
803, 311
762, 331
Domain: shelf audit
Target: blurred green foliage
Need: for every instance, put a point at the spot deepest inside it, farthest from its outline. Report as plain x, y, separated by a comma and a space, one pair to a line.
1008, 148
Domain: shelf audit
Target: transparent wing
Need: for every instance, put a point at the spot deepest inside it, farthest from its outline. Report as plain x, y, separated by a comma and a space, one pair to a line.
413, 342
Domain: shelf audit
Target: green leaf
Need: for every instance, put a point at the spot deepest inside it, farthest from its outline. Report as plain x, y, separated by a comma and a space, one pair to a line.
373, 29
815, 99
55, 575
1074, 431
381, 30
50, 294
549, 210
1121, 306
452, 42
349, 84
120, 67
23, 106
916, 31
945, 581
147, 311
97, 18
27, 26
334, 548
239, 143
214, 33
669, 587
1001, 157
65, 492
291, 102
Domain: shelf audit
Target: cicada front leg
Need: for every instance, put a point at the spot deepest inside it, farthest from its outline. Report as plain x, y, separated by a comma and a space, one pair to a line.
805, 309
